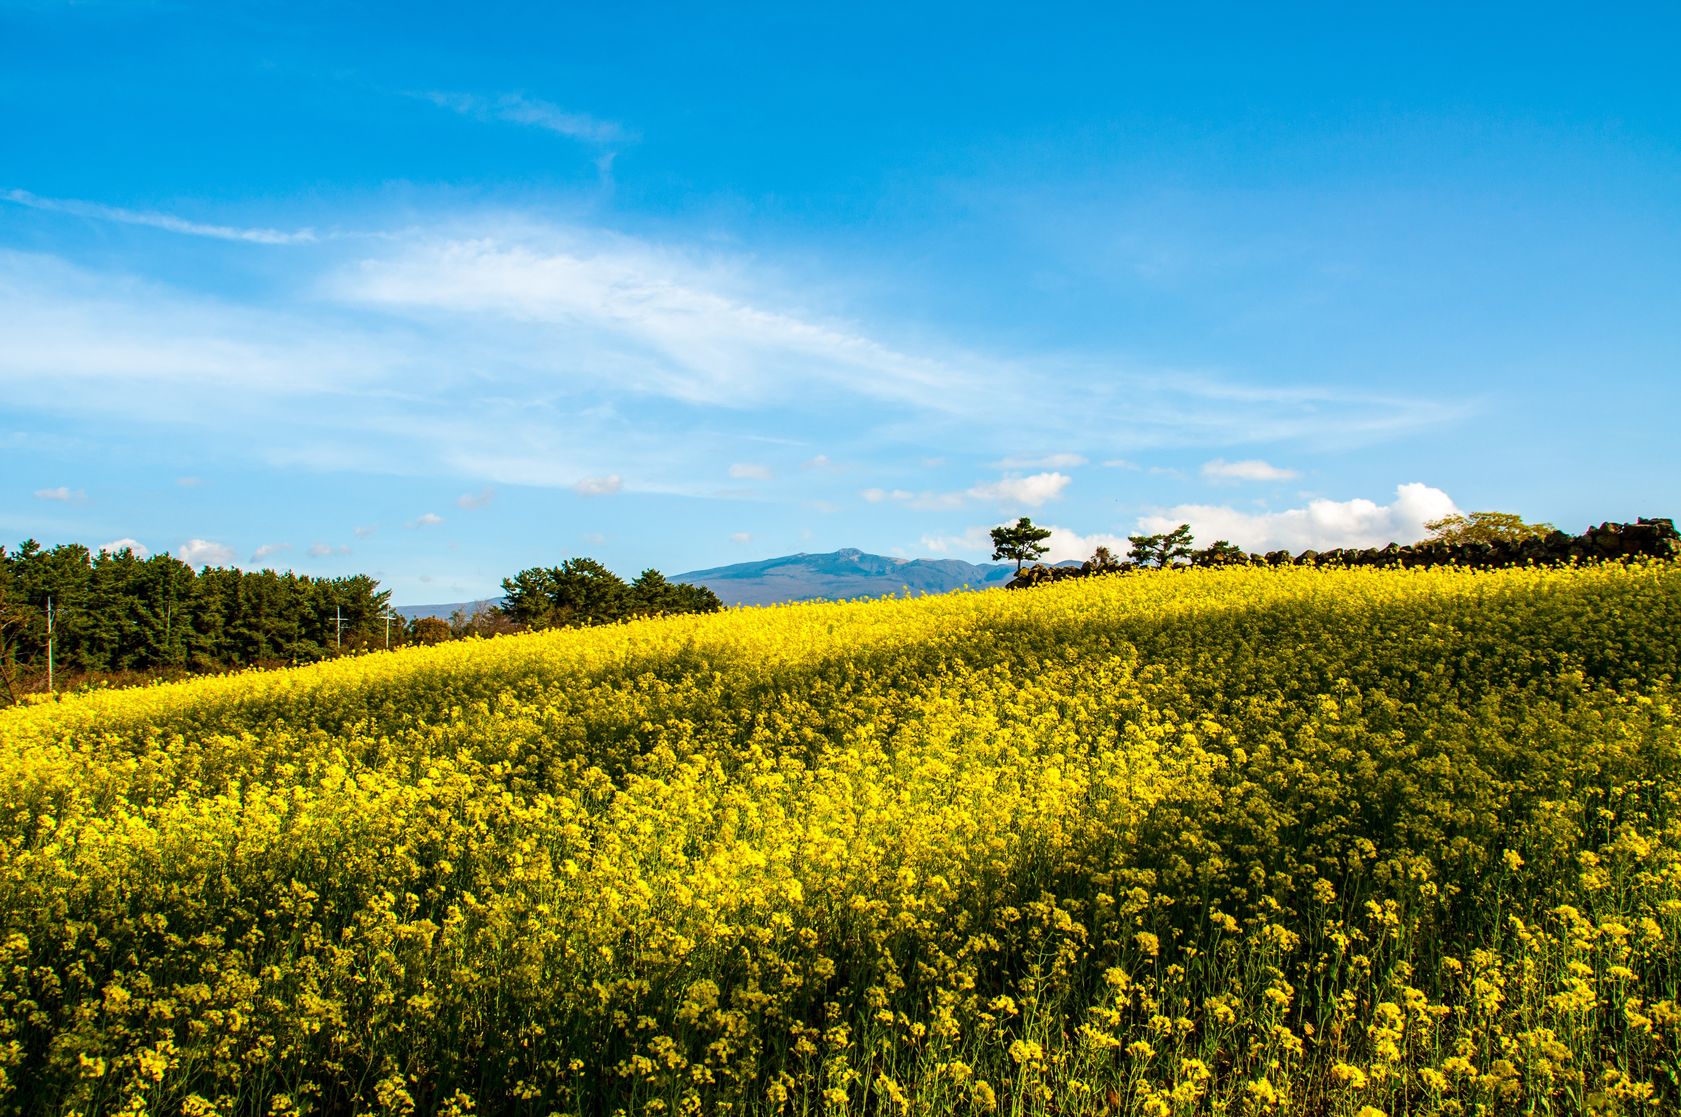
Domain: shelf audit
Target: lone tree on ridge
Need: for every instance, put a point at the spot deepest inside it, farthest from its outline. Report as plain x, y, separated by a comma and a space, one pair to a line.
1023, 542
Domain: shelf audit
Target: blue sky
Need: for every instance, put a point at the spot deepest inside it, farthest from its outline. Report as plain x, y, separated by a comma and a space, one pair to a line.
439, 295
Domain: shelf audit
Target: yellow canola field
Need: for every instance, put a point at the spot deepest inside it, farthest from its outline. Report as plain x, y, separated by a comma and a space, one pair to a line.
1232, 842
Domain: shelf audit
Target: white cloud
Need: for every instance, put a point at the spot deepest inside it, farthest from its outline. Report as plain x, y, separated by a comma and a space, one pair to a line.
819, 461
189, 482
429, 519
365, 532
744, 471
116, 546
204, 552
509, 350
322, 550
741, 537
518, 109
1032, 491
1320, 526
1119, 463
649, 321
1062, 544
167, 222
1048, 461
472, 501
61, 493
599, 486
971, 541
268, 549
1252, 469
1065, 545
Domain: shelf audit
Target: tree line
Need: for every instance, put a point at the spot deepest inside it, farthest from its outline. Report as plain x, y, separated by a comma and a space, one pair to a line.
578, 592
1024, 542
116, 615
114, 612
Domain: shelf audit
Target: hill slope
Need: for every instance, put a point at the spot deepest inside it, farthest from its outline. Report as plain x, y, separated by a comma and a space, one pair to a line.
1244, 841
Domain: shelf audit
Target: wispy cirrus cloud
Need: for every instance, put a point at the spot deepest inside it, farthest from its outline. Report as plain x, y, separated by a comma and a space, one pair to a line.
1251, 470
473, 501
598, 486
654, 322
1046, 461
516, 108
168, 222
516, 351
62, 493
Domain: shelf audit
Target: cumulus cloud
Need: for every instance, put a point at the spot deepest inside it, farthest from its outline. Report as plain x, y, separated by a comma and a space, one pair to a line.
365, 532
268, 549
970, 541
749, 471
61, 493
599, 486
1032, 491
1252, 469
1321, 525
1062, 545
430, 519
1065, 544
741, 537
204, 552
117, 546
818, 461
322, 550
471, 501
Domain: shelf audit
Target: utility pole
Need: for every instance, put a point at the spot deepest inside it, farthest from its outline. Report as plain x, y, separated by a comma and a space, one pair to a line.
50, 644
388, 628
338, 626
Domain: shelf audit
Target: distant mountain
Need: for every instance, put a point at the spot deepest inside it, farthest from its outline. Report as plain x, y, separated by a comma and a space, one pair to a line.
840, 575
445, 612
836, 576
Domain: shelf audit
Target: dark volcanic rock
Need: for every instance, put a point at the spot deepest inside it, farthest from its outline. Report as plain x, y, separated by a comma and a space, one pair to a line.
1609, 542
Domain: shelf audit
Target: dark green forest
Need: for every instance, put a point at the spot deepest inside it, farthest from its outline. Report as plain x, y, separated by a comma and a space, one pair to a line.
117, 612
117, 617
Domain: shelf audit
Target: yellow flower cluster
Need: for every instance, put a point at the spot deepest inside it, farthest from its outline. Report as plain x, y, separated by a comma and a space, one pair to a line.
1344, 842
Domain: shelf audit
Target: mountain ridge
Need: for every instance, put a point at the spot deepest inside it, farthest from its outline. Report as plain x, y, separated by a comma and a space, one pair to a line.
838, 575
827, 576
